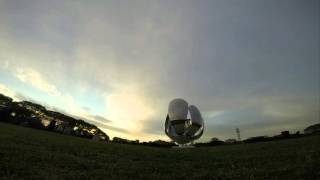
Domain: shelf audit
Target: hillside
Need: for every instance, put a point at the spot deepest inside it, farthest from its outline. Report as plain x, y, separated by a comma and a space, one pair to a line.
37, 154
29, 114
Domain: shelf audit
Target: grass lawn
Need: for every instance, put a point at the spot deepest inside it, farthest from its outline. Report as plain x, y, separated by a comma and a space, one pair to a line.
36, 154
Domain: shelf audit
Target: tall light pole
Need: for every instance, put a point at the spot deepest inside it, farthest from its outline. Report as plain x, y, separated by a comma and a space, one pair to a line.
238, 134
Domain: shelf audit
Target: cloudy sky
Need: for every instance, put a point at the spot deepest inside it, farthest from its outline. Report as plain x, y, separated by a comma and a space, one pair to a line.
252, 64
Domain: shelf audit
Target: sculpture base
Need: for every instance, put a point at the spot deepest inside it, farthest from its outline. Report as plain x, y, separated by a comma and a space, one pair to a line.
183, 147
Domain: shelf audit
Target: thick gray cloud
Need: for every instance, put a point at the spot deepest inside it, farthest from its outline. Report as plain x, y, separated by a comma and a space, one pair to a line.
234, 59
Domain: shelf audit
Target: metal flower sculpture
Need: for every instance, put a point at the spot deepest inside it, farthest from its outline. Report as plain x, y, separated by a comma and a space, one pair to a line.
178, 127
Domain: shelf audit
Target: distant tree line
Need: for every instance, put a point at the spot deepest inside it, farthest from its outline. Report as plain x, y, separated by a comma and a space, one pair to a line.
33, 115
217, 142
309, 131
156, 143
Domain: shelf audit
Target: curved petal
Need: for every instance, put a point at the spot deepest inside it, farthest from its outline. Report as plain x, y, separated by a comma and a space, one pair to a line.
178, 109
195, 114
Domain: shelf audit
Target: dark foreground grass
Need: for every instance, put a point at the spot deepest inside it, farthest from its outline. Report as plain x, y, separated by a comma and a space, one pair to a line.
35, 154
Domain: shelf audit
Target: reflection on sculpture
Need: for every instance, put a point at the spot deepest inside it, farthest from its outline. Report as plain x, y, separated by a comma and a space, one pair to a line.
178, 127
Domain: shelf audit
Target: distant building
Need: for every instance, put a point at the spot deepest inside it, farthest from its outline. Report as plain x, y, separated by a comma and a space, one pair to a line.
96, 137
231, 141
64, 128
285, 133
45, 122
120, 140
68, 130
